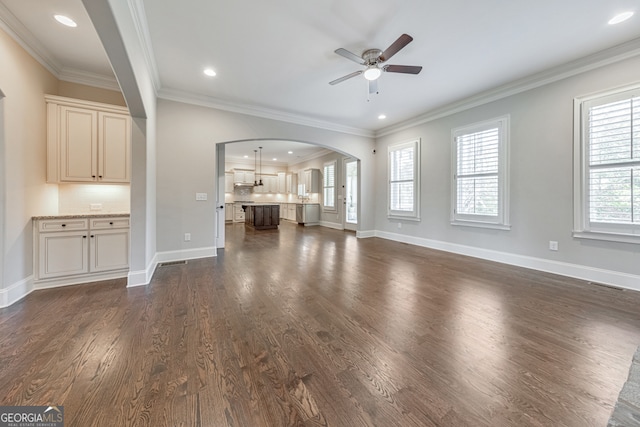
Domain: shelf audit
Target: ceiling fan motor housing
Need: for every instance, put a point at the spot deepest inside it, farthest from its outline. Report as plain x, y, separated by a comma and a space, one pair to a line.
371, 56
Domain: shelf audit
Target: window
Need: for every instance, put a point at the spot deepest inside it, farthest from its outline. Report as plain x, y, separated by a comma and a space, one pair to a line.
404, 178
480, 180
329, 186
607, 166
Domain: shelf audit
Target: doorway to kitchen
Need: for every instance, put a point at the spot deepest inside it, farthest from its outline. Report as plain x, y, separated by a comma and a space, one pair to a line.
350, 198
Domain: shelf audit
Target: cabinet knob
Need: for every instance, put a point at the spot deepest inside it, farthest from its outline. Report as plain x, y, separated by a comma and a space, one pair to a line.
64, 225
93, 176
111, 223
92, 236
100, 176
84, 237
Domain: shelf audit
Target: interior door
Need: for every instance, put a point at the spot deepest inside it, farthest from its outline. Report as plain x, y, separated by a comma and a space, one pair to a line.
350, 196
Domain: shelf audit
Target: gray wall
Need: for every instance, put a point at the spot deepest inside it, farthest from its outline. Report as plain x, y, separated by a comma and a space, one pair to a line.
541, 184
186, 158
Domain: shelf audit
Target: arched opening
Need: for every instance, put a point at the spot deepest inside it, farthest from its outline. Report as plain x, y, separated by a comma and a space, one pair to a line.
257, 158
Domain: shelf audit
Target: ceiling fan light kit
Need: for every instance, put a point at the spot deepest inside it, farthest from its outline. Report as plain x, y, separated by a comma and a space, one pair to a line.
373, 58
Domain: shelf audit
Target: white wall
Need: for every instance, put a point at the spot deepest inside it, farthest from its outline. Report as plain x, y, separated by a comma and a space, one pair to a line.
541, 198
187, 135
24, 83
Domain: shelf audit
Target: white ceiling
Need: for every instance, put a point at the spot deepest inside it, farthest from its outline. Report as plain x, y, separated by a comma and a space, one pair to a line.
277, 56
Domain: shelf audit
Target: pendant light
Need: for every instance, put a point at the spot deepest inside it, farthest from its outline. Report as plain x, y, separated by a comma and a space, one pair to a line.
255, 169
260, 183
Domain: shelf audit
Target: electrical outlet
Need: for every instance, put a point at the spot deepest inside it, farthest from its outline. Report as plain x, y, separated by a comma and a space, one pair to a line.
399, 225
187, 237
553, 245
95, 206
201, 196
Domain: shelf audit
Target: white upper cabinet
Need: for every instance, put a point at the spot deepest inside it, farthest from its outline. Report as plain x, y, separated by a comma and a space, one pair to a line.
87, 142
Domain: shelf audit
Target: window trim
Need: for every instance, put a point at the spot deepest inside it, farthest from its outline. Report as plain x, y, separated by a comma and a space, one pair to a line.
414, 215
582, 227
502, 220
333, 208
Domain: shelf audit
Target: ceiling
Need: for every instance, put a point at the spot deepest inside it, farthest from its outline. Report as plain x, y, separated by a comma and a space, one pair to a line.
277, 57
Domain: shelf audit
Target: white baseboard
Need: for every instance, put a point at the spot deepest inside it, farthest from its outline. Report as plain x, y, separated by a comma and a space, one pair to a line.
180, 255
142, 277
334, 225
363, 234
16, 292
597, 275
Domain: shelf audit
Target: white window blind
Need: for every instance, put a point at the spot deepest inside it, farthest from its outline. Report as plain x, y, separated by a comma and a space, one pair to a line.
613, 137
403, 180
480, 176
329, 185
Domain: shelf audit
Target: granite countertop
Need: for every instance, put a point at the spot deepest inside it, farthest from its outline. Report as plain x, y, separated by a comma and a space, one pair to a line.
83, 215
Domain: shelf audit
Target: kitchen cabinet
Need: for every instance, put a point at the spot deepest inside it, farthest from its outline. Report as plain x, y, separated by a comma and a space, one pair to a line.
238, 213
243, 176
291, 211
75, 249
291, 183
87, 142
269, 184
308, 213
228, 211
228, 182
282, 183
309, 181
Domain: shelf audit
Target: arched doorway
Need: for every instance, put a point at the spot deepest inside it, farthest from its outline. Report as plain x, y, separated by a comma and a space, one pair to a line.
317, 156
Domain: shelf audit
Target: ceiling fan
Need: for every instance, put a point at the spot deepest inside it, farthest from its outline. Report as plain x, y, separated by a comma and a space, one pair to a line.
373, 59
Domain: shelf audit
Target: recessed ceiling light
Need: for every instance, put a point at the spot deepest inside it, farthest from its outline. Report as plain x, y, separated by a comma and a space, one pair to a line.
620, 18
65, 20
209, 72
274, 159
246, 157
290, 152
382, 117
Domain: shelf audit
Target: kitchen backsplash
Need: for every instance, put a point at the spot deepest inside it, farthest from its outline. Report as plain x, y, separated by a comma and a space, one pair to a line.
105, 198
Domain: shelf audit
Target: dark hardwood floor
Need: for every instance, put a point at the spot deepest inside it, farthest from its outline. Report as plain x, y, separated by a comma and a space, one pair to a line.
311, 326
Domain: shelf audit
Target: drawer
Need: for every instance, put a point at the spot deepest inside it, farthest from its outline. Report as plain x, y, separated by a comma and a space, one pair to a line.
45, 225
107, 223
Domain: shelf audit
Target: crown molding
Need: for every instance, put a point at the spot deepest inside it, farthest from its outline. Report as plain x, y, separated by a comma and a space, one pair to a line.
138, 15
89, 79
600, 59
266, 113
25, 38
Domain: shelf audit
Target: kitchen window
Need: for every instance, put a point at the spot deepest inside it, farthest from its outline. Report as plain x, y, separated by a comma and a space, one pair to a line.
480, 180
329, 186
607, 166
404, 180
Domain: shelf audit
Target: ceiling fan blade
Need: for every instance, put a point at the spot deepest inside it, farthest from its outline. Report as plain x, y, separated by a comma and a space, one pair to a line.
406, 69
343, 78
349, 55
373, 86
395, 47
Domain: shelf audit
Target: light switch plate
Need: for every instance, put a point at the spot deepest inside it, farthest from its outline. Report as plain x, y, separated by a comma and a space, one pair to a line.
201, 196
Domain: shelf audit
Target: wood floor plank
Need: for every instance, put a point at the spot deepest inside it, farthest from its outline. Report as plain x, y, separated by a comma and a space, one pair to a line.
308, 326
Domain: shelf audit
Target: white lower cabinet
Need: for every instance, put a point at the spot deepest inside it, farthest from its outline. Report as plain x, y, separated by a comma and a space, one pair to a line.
62, 253
77, 250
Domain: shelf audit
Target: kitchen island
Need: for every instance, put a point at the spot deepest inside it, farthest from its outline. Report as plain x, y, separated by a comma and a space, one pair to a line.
262, 216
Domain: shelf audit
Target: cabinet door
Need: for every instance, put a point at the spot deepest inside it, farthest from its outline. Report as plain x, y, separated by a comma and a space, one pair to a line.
78, 144
114, 147
228, 183
109, 250
228, 211
62, 254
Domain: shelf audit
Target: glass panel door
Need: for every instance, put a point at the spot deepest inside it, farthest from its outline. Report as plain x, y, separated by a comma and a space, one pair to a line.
351, 194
